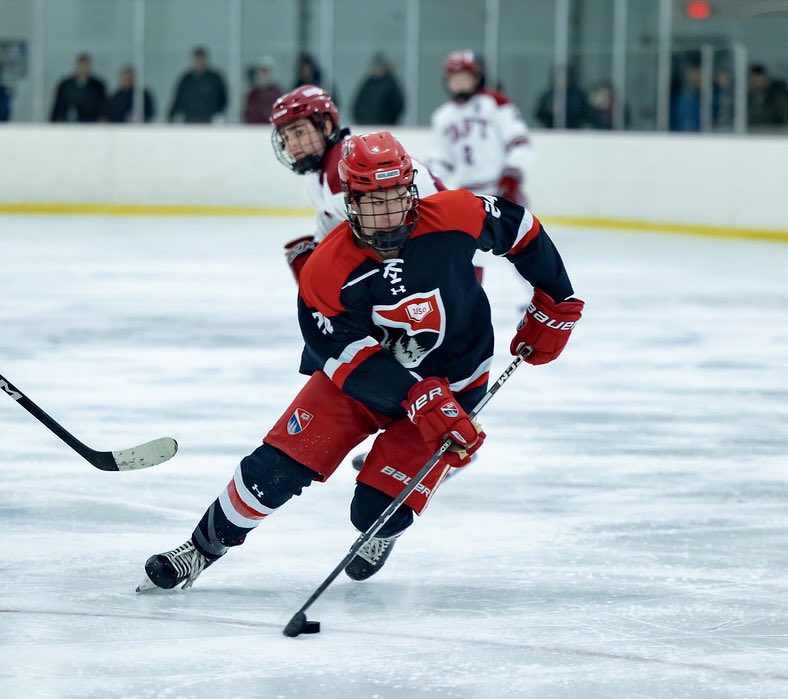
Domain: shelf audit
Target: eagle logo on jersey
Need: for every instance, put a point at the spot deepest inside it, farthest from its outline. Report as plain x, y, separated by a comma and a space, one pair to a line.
298, 421
413, 327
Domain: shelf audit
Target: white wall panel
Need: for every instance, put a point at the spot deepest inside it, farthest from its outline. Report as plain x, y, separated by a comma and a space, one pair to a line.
711, 180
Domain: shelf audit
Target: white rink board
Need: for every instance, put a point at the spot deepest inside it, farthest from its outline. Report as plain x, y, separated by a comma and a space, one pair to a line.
715, 180
622, 533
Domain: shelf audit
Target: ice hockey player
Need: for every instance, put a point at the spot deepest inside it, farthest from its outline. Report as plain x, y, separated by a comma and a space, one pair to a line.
479, 139
306, 139
398, 343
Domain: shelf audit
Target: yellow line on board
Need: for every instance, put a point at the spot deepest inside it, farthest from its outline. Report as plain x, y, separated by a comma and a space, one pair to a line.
150, 210
779, 236
773, 235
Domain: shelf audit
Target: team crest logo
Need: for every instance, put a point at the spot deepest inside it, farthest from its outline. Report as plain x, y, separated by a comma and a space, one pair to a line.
413, 327
298, 421
419, 311
450, 410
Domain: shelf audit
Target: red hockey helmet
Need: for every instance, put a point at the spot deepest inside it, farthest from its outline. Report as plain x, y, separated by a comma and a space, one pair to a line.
314, 104
373, 162
304, 102
465, 61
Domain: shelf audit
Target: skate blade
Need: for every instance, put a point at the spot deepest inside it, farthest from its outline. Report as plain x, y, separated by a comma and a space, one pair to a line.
148, 586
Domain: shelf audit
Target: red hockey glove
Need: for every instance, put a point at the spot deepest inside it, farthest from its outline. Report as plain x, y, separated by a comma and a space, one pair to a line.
546, 327
510, 187
297, 253
433, 409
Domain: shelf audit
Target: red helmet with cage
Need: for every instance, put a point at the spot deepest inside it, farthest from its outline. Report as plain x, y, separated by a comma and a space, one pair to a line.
465, 61
377, 162
306, 102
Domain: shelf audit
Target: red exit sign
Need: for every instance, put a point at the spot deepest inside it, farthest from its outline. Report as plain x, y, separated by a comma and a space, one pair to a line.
698, 9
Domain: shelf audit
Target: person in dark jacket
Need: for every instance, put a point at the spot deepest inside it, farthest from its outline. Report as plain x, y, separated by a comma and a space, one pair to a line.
120, 107
80, 97
201, 94
379, 99
307, 71
578, 112
5, 103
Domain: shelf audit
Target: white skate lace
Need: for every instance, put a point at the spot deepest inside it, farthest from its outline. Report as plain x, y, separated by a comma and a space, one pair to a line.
188, 563
373, 549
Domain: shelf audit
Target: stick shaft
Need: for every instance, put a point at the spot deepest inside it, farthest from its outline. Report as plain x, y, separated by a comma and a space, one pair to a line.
414, 482
49, 422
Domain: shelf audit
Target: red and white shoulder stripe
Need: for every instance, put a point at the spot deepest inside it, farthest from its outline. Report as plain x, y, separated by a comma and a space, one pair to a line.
528, 230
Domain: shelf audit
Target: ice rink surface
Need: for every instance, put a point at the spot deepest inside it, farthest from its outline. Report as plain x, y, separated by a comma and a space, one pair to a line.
623, 533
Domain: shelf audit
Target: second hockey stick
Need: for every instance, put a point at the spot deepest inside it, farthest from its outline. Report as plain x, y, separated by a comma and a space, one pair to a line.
142, 456
299, 623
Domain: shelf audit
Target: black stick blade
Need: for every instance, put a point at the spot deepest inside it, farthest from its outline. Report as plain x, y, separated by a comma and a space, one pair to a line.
299, 624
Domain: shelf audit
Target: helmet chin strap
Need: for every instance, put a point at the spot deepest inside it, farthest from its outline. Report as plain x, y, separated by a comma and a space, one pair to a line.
307, 164
382, 240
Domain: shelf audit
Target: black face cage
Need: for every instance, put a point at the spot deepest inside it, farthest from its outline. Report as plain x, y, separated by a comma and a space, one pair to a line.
384, 240
309, 163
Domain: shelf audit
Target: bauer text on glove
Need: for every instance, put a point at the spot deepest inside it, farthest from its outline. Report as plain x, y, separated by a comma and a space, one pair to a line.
546, 327
432, 407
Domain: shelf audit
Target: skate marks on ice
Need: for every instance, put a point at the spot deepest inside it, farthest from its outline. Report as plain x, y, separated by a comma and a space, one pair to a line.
621, 534
472, 641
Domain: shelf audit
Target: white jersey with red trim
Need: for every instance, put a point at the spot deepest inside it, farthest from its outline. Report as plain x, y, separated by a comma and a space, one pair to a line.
477, 142
325, 191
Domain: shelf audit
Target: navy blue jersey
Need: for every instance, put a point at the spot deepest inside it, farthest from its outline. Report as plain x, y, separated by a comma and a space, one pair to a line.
378, 327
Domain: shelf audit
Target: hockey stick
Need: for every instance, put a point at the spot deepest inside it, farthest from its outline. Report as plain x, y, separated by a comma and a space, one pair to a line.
299, 624
143, 456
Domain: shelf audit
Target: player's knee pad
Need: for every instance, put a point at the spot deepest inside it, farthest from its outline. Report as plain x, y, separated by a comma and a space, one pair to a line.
367, 505
273, 476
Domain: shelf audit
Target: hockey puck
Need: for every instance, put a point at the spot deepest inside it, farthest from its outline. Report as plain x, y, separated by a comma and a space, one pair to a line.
299, 624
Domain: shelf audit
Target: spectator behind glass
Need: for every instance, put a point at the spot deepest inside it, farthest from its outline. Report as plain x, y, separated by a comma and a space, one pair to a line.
578, 111
307, 72
200, 96
5, 101
767, 100
80, 97
379, 99
602, 105
685, 108
263, 94
120, 107
723, 93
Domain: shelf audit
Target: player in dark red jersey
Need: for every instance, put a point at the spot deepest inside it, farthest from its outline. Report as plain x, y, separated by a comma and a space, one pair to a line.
398, 341
306, 139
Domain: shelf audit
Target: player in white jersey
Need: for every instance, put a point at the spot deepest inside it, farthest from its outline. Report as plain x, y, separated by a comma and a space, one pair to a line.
306, 137
480, 141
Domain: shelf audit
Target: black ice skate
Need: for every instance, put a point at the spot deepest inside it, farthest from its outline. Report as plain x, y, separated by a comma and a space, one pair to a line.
370, 558
171, 568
